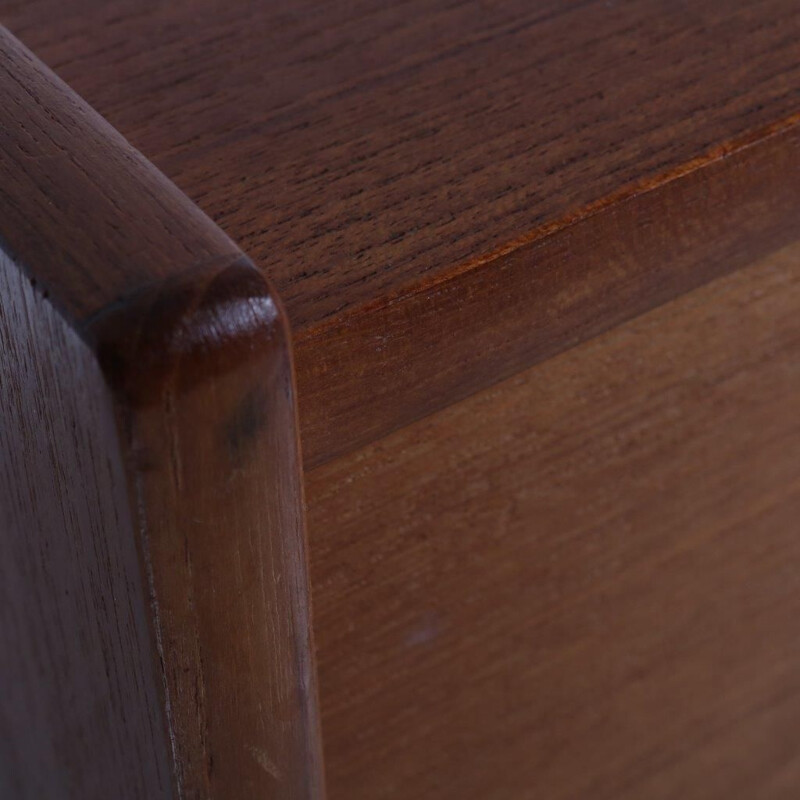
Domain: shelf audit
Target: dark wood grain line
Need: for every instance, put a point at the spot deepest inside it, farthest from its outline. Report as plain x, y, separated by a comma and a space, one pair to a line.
191, 341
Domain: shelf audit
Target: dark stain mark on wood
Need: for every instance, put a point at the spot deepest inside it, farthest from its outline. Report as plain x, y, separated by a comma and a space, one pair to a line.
245, 423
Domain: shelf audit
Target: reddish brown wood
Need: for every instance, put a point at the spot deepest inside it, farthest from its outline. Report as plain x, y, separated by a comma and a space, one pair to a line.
188, 339
444, 340
396, 166
445, 193
581, 582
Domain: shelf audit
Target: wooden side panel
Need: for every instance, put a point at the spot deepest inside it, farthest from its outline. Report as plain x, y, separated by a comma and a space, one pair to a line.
79, 709
583, 582
202, 370
199, 467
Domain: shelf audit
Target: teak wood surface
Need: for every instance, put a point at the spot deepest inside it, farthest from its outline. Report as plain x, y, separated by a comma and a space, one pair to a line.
421, 180
581, 582
550, 543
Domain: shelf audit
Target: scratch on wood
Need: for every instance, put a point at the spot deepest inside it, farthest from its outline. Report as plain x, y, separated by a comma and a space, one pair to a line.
264, 762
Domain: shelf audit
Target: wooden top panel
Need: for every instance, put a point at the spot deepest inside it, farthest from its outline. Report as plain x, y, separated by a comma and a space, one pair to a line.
357, 150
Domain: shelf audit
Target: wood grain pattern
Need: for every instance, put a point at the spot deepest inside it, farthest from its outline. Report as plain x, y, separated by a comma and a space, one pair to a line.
192, 344
389, 365
387, 162
583, 592
79, 708
581, 582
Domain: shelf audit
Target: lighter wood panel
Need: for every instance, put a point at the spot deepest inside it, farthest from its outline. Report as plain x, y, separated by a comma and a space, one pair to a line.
582, 582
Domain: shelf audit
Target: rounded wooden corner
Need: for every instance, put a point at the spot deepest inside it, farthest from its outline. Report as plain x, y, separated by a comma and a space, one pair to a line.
201, 322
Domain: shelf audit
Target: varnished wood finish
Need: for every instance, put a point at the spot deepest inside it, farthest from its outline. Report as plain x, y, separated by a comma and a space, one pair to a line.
447, 340
581, 582
391, 164
575, 584
191, 342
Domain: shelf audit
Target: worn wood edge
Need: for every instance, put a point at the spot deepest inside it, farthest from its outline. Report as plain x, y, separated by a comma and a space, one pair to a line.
547, 291
212, 316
